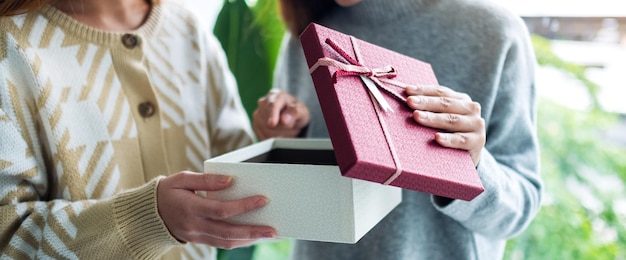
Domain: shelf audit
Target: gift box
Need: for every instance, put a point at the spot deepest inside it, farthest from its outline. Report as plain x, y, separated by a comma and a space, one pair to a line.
360, 87
309, 199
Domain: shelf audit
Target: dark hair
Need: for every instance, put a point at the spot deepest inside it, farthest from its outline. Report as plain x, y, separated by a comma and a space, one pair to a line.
9, 8
297, 14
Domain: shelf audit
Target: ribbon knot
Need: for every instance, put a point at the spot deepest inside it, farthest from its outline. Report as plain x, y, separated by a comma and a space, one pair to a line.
372, 78
387, 72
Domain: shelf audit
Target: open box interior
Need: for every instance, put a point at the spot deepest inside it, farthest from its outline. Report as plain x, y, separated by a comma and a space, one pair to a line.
295, 156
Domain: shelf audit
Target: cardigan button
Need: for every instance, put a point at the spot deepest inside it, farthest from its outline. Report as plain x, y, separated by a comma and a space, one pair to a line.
130, 40
146, 109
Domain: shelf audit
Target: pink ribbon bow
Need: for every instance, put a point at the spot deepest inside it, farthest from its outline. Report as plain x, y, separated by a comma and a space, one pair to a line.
377, 76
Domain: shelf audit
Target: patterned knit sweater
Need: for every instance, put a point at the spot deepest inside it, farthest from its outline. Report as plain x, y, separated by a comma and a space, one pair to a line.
89, 120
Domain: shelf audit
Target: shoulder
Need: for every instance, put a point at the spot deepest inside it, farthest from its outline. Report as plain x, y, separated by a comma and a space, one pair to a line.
177, 13
483, 18
18, 33
478, 11
179, 22
19, 28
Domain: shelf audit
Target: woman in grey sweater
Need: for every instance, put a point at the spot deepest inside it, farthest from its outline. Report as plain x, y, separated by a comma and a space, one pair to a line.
482, 54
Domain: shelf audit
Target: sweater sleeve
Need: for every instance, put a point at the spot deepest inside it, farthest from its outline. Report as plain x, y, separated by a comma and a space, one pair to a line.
509, 164
229, 124
34, 225
281, 70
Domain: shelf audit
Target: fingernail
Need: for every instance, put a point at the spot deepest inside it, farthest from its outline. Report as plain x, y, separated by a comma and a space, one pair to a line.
261, 202
416, 99
223, 179
423, 115
411, 87
442, 137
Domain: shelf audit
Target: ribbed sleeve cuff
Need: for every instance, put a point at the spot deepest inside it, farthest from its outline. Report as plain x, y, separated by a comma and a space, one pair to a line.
138, 221
463, 211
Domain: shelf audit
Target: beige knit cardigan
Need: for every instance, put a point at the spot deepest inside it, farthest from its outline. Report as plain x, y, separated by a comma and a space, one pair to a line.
90, 120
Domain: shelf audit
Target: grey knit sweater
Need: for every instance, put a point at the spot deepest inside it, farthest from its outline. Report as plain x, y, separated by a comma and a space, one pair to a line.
474, 47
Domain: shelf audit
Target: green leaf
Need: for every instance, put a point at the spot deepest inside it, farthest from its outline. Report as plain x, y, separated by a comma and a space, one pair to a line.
245, 42
275, 250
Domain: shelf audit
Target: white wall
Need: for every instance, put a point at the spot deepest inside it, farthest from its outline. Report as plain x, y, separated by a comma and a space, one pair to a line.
579, 8
206, 10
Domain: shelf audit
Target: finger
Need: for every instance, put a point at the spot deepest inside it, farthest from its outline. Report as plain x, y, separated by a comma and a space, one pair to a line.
276, 107
200, 181
472, 142
226, 231
259, 127
220, 243
265, 106
288, 116
449, 122
304, 115
271, 95
221, 210
263, 132
464, 141
436, 91
444, 105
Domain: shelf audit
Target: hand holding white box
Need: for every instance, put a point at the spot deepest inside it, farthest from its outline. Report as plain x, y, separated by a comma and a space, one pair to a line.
308, 197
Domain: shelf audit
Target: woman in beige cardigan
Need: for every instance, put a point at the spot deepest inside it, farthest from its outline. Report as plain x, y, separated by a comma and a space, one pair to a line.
100, 102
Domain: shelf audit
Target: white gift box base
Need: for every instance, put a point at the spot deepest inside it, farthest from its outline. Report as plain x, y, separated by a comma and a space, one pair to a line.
308, 197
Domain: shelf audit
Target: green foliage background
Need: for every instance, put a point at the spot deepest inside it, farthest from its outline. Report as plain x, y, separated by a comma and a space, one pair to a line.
584, 174
251, 37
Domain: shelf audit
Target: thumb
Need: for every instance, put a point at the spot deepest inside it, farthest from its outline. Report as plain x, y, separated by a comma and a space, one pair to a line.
288, 117
199, 181
276, 110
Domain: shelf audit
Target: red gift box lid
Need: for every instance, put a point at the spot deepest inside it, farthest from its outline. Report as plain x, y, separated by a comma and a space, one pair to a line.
370, 143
